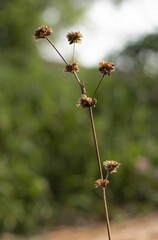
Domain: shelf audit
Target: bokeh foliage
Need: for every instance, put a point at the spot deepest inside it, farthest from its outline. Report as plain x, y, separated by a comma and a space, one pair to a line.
47, 158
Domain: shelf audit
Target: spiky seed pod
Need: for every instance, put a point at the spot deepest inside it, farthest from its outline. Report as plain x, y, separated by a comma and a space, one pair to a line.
42, 32
101, 183
74, 67
106, 67
74, 37
86, 102
111, 166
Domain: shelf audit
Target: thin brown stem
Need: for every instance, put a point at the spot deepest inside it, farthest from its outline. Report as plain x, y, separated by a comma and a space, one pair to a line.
83, 91
107, 175
96, 90
107, 214
77, 78
74, 57
100, 171
75, 74
95, 142
57, 50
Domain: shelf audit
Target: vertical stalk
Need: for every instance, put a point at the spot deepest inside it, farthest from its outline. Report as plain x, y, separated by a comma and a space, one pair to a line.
74, 57
93, 131
96, 142
100, 171
109, 68
106, 214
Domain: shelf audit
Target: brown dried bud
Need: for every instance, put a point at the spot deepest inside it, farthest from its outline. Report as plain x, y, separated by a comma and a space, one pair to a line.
101, 183
74, 37
42, 32
111, 166
86, 102
74, 67
106, 67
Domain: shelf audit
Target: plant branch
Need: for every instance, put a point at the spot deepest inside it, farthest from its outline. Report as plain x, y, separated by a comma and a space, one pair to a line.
74, 58
96, 90
106, 214
74, 73
96, 142
106, 68
57, 50
78, 80
82, 87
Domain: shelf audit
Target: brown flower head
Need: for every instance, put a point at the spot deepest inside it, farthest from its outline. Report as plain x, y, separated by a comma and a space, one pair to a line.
42, 32
106, 67
101, 183
74, 67
74, 37
86, 102
111, 166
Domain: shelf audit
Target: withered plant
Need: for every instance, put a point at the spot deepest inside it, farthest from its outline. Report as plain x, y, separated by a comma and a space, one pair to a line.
106, 69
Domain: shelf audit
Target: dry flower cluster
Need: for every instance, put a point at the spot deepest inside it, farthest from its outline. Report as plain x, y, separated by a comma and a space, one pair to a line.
106, 68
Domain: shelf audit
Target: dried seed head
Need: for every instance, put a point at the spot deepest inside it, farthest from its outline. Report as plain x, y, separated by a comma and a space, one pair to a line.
106, 67
74, 67
111, 166
101, 183
42, 32
74, 37
86, 102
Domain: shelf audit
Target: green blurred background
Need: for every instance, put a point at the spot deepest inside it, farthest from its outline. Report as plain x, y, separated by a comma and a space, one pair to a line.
47, 158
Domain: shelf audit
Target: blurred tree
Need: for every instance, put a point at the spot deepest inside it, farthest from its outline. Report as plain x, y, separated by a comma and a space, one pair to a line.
24, 189
132, 106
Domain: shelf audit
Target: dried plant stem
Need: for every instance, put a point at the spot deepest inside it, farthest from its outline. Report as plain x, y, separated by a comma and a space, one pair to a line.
74, 53
75, 74
107, 214
95, 142
77, 78
57, 50
96, 90
106, 68
82, 87
100, 171
107, 175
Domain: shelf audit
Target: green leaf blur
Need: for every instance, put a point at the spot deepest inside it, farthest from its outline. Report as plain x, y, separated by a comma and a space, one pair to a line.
47, 159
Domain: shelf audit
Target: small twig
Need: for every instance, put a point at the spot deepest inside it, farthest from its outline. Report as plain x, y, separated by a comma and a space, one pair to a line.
107, 214
96, 90
74, 53
74, 73
57, 50
107, 175
96, 142
78, 80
